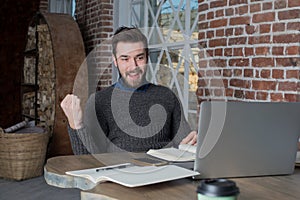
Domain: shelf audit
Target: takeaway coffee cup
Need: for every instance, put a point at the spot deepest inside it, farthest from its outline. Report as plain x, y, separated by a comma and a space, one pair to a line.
217, 189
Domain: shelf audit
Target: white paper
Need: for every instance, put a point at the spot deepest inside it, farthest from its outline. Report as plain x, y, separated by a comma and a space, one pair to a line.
298, 157
134, 176
188, 147
172, 154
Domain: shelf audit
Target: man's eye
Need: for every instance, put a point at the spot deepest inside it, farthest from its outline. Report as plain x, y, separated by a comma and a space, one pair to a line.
124, 59
140, 57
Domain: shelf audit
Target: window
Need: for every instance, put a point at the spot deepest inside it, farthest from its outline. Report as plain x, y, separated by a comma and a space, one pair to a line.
172, 31
62, 6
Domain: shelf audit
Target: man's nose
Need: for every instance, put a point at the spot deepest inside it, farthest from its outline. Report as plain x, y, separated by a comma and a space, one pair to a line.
133, 63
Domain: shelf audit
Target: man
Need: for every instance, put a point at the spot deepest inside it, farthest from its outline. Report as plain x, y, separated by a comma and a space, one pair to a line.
133, 115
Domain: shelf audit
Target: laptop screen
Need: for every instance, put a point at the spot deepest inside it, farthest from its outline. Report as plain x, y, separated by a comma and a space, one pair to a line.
247, 138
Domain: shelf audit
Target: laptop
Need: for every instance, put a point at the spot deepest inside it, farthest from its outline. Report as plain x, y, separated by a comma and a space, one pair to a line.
242, 139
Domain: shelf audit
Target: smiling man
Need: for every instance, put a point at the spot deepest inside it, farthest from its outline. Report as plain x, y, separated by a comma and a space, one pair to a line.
130, 57
133, 114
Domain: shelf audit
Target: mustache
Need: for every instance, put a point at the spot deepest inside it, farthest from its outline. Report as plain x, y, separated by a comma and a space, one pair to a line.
136, 70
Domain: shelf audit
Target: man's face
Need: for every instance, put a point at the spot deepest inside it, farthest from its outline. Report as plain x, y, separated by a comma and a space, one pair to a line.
131, 60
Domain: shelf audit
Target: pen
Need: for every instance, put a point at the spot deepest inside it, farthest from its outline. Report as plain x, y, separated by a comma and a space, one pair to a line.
120, 166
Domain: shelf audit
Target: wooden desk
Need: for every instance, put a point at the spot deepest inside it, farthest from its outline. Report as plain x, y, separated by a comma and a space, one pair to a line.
263, 188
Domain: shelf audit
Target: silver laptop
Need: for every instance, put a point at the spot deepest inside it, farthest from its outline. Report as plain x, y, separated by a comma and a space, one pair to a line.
241, 139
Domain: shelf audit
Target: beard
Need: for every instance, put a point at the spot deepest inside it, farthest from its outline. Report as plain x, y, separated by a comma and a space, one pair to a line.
137, 82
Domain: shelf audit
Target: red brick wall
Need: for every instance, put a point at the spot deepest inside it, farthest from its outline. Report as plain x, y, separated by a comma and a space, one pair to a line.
250, 50
43, 6
95, 20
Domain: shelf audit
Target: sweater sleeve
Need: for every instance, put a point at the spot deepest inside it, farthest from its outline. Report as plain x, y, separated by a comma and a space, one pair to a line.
76, 143
90, 138
180, 126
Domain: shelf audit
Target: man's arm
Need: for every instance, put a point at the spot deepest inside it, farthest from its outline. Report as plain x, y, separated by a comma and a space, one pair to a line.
186, 135
73, 112
77, 146
82, 132
85, 134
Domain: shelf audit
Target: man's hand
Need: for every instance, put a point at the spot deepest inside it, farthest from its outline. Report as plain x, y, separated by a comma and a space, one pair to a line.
71, 107
191, 138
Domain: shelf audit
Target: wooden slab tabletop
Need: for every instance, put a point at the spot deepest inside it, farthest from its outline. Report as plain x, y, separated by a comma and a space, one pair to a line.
56, 167
265, 188
61, 164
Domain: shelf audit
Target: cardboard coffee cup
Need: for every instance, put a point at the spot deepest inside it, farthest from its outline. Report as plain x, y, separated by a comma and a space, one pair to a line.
217, 189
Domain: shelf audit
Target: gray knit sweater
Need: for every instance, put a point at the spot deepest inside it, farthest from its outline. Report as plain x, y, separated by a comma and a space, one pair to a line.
123, 119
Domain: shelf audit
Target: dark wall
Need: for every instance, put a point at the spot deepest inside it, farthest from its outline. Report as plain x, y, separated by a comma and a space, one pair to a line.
15, 17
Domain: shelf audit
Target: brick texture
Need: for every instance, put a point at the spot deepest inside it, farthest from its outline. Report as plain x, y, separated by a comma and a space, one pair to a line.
43, 6
258, 44
95, 20
250, 49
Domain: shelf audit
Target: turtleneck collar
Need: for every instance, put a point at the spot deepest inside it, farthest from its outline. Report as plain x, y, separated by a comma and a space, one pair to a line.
122, 86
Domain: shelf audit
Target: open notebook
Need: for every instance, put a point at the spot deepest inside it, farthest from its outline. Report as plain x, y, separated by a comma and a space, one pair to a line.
183, 153
131, 175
